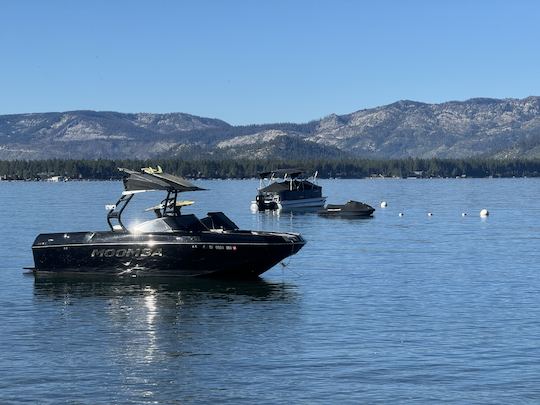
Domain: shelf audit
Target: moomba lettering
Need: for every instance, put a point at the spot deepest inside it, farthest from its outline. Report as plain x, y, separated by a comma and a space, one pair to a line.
145, 252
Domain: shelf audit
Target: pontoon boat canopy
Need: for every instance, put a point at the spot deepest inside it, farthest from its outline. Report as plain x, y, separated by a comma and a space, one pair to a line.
285, 185
292, 173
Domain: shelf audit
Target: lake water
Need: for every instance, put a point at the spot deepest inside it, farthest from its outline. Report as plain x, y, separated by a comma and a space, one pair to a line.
409, 309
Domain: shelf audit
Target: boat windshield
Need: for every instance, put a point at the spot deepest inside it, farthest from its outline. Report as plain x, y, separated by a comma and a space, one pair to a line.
187, 223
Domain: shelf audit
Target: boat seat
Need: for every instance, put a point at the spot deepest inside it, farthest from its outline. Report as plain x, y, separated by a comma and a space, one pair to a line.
187, 222
218, 220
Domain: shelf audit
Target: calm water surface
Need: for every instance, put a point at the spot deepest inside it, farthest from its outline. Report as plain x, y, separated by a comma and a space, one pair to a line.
410, 309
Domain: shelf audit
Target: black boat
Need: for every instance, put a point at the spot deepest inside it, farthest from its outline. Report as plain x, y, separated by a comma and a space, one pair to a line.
352, 209
172, 244
287, 189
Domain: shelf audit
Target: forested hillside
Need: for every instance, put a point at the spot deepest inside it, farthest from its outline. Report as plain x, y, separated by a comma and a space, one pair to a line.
247, 168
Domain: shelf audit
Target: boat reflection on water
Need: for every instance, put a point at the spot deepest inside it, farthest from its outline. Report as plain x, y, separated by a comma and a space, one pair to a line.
151, 332
62, 286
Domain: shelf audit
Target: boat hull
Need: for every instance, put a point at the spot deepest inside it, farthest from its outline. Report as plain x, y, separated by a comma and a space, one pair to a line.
352, 209
290, 204
302, 203
234, 255
347, 214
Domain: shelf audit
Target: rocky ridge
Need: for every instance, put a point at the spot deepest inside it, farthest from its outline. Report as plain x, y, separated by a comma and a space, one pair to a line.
499, 128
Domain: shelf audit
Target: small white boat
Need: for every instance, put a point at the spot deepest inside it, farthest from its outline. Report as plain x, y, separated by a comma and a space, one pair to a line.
286, 189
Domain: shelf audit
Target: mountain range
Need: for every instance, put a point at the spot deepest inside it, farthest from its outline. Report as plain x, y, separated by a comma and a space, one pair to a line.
479, 127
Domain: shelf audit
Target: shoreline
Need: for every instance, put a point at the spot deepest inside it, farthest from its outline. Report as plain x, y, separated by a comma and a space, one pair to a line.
256, 179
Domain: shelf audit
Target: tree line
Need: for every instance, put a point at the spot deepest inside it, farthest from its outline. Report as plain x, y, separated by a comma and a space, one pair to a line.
102, 169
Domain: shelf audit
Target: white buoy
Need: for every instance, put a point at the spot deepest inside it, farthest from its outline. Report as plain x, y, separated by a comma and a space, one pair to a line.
401, 214
463, 214
484, 213
384, 204
429, 214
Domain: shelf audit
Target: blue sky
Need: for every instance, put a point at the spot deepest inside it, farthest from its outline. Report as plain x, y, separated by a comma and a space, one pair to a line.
263, 61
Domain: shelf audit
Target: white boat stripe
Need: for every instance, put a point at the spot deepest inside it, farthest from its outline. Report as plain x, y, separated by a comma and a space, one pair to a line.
163, 243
